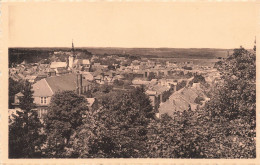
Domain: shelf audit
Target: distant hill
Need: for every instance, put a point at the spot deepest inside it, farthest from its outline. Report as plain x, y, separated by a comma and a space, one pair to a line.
17, 55
165, 52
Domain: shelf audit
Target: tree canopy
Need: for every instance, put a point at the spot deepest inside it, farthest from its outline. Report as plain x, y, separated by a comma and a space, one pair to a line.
65, 114
25, 130
123, 119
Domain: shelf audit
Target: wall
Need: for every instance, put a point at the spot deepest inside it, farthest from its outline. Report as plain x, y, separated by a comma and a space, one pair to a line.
37, 100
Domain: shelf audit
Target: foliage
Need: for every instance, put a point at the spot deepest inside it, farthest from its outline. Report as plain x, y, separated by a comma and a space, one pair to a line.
181, 85
187, 68
199, 100
14, 88
198, 79
126, 116
119, 82
228, 121
65, 114
25, 136
100, 89
31, 55
233, 109
224, 128
120, 127
238, 88
129, 76
174, 138
91, 140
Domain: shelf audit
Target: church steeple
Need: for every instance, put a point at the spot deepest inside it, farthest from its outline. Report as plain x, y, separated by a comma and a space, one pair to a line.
72, 56
254, 44
72, 49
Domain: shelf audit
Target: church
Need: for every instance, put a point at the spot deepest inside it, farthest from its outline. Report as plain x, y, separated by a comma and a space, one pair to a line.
72, 64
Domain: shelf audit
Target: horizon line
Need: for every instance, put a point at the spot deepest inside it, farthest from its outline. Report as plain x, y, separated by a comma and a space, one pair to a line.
121, 47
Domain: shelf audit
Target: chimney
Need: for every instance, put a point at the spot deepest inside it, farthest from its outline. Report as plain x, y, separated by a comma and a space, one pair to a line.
79, 84
175, 88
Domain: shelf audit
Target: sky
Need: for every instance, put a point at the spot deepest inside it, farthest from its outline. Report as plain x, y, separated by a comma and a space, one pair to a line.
133, 24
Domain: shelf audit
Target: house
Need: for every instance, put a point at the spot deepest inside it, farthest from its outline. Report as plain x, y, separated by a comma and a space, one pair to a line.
87, 76
16, 99
139, 82
61, 71
84, 63
118, 77
135, 62
50, 72
182, 100
55, 65
47, 87
31, 79
21, 76
153, 98
168, 83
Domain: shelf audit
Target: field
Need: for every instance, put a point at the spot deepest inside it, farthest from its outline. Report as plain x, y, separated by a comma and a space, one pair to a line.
165, 52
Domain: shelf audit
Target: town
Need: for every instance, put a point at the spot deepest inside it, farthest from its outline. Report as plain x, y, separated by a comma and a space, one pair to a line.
122, 80
78, 104
171, 85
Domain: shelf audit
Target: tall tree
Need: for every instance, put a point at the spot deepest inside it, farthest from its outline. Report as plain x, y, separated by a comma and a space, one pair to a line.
232, 110
14, 87
123, 118
65, 114
25, 129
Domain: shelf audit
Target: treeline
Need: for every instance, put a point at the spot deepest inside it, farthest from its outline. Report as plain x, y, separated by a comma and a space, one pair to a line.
35, 55
124, 125
18, 55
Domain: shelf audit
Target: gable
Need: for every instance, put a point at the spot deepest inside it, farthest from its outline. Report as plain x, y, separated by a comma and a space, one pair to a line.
41, 88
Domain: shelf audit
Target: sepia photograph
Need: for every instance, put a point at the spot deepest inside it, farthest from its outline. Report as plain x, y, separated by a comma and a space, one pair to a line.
139, 79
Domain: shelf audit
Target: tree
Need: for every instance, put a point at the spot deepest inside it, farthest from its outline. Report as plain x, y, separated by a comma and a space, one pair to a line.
91, 139
174, 137
120, 129
224, 128
181, 85
198, 79
118, 82
199, 100
14, 88
226, 125
237, 93
126, 116
25, 131
232, 112
65, 114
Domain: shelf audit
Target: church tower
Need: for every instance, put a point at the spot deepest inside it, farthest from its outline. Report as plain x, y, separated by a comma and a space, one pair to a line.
72, 56
254, 44
72, 48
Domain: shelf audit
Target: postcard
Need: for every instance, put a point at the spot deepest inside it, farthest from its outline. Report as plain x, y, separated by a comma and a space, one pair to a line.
129, 82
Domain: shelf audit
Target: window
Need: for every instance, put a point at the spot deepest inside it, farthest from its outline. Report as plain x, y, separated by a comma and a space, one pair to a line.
43, 100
